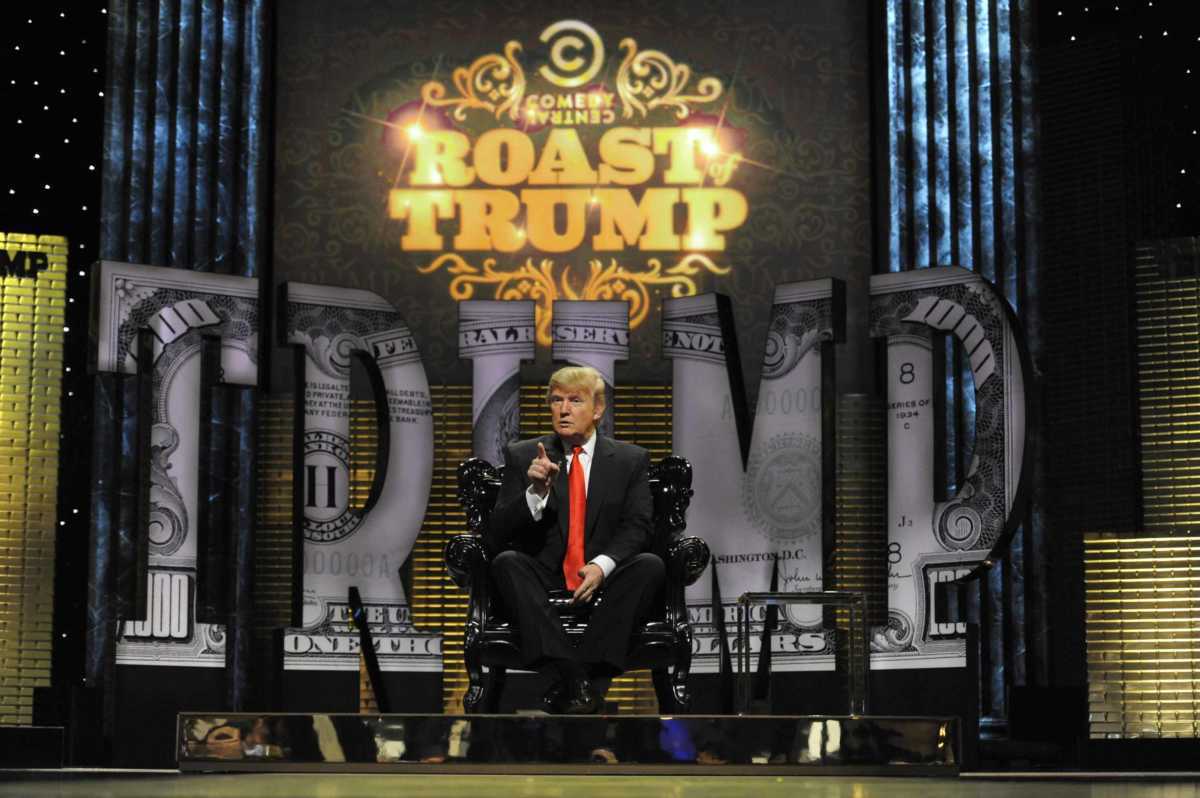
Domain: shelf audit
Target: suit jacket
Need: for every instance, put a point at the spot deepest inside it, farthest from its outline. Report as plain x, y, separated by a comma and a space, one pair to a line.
619, 520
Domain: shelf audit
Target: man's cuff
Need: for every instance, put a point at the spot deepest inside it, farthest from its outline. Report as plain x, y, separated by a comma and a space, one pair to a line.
606, 563
536, 503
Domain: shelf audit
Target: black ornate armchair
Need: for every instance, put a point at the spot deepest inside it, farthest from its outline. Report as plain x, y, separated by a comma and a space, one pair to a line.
663, 644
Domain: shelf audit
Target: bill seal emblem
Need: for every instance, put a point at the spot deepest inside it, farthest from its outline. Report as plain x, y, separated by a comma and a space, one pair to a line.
781, 493
328, 517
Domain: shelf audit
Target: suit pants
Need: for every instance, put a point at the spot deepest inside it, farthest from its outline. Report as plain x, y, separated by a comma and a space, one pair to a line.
623, 600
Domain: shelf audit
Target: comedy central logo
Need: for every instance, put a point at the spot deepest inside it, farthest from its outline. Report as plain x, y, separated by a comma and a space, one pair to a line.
576, 53
576, 56
645, 80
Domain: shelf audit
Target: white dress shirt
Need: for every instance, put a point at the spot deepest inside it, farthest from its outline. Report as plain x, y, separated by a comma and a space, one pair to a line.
538, 503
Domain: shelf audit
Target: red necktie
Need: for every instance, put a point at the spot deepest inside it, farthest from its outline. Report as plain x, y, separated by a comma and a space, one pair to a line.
577, 494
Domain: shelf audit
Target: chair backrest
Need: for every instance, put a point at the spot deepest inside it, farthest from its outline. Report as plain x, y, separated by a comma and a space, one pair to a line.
671, 489
670, 486
478, 485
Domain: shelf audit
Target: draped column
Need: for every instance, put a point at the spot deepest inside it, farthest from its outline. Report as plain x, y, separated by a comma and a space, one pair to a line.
186, 160
960, 189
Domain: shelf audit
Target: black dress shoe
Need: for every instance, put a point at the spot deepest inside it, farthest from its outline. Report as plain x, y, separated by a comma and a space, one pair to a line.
554, 697
579, 699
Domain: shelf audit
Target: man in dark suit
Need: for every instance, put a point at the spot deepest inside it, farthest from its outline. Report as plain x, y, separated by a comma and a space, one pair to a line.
574, 512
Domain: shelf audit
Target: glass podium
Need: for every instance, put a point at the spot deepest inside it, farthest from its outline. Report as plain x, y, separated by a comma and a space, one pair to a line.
858, 661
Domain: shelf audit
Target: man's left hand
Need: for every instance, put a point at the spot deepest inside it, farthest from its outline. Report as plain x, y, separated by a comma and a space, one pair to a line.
592, 577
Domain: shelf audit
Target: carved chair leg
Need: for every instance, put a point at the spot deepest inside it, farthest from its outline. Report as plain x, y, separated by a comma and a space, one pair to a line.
475, 686
681, 691
493, 686
661, 678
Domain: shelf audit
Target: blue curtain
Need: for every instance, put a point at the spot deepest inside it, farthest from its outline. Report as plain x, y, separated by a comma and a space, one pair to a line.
961, 190
186, 163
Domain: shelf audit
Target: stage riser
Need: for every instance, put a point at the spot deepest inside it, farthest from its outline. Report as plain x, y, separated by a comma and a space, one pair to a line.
31, 747
717, 744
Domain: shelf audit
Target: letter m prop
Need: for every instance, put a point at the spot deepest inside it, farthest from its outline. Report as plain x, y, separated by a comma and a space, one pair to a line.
764, 481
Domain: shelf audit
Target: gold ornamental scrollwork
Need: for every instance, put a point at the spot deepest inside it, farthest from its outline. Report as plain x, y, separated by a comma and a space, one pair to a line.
651, 79
493, 83
537, 281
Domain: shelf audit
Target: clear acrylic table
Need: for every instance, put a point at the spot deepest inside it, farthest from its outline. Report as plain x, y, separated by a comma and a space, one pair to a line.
858, 655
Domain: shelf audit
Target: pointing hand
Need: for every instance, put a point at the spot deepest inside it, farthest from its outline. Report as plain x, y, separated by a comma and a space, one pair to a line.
542, 471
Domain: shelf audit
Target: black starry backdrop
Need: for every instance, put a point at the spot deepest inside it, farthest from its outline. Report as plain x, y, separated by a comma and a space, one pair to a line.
52, 86
1159, 41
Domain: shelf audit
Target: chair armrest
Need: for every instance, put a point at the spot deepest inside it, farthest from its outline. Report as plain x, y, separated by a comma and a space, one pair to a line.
466, 558
686, 559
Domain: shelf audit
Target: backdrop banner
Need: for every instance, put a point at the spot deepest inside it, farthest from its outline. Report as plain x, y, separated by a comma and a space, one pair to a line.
499, 151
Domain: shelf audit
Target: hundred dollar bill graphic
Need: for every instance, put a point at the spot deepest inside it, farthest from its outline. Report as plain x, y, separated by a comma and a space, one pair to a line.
769, 510
928, 541
495, 335
179, 307
345, 545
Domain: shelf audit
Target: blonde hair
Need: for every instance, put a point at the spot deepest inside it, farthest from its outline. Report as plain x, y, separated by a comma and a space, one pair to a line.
578, 377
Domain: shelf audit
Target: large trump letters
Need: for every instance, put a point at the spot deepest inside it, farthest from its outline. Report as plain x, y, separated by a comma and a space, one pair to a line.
763, 481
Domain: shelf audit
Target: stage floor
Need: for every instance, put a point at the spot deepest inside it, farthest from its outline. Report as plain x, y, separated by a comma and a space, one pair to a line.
420, 785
